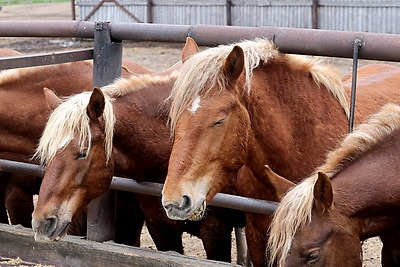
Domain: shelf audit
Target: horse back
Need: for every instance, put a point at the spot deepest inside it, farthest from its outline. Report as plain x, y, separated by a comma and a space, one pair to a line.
377, 84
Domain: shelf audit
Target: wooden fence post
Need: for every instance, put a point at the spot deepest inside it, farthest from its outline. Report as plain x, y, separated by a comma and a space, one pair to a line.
107, 62
73, 10
149, 10
314, 14
229, 12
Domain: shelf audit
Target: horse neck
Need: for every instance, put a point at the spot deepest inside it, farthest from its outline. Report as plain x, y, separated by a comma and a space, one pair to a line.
368, 190
64, 79
141, 137
24, 88
294, 121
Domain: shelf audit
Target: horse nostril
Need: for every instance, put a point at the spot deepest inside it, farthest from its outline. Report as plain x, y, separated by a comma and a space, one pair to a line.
50, 225
169, 207
186, 203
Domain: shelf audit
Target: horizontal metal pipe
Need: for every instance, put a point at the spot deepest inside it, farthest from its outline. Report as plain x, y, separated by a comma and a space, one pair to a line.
45, 59
125, 184
375, 46
21, 167
46, 28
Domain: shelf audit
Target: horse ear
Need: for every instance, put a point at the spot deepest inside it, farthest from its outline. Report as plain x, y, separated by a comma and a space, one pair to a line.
323, 191
281, 184
53, 101
234, 64
190, 49
96, 104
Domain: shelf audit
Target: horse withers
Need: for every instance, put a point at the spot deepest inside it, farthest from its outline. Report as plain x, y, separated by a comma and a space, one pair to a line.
249, 105
355, 195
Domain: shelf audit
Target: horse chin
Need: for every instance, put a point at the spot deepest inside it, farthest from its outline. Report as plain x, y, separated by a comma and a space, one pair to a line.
63, 232
199, 213
41, 238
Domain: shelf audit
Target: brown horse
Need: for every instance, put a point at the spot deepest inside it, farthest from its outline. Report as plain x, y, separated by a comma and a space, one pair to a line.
7, 52
7, 181
353, 196
24, 113
119, 129
248, 104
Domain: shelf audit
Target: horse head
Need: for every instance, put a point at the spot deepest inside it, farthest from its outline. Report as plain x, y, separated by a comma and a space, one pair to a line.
325, 237
77, 145
79, 160
210, 136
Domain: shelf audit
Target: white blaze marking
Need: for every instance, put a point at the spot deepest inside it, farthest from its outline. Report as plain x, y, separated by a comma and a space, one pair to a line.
64, 142
195, 105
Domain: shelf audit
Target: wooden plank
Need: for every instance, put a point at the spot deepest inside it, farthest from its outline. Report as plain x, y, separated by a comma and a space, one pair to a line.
18, 241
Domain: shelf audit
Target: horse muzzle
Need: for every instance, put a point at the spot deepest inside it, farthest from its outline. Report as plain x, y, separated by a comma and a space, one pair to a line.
49, 229
184, 210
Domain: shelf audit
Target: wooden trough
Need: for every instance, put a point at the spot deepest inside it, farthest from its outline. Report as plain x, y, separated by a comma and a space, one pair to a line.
17, 241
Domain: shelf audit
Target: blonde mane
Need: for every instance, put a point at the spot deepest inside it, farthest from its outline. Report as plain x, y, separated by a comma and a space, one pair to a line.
10, 75
204, 69
294, 210
70, 119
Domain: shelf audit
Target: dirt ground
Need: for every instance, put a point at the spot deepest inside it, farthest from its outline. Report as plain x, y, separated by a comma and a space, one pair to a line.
156, 56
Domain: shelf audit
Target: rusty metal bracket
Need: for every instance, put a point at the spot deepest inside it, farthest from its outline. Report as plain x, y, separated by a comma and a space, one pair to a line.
357, 44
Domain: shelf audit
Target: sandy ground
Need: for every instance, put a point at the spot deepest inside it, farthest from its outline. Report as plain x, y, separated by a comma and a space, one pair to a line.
156, 56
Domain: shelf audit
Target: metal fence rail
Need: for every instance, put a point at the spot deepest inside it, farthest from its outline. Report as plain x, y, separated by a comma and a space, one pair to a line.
376, 46
45, 59
125, 184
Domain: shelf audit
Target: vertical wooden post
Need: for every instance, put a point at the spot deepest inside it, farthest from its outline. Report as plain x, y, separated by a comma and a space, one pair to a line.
73, 10
149, 10
229, 12
107, 62
314, 14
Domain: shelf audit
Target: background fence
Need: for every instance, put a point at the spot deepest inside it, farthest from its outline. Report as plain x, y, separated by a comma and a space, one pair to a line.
349, 15
26, 2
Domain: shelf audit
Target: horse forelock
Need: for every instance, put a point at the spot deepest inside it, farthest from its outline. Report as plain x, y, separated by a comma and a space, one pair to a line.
292, 213
70, 120
204, 71
294, 210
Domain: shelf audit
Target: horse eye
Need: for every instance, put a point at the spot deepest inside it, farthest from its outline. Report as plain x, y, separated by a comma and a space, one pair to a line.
81, 155
219, 122
312, 256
